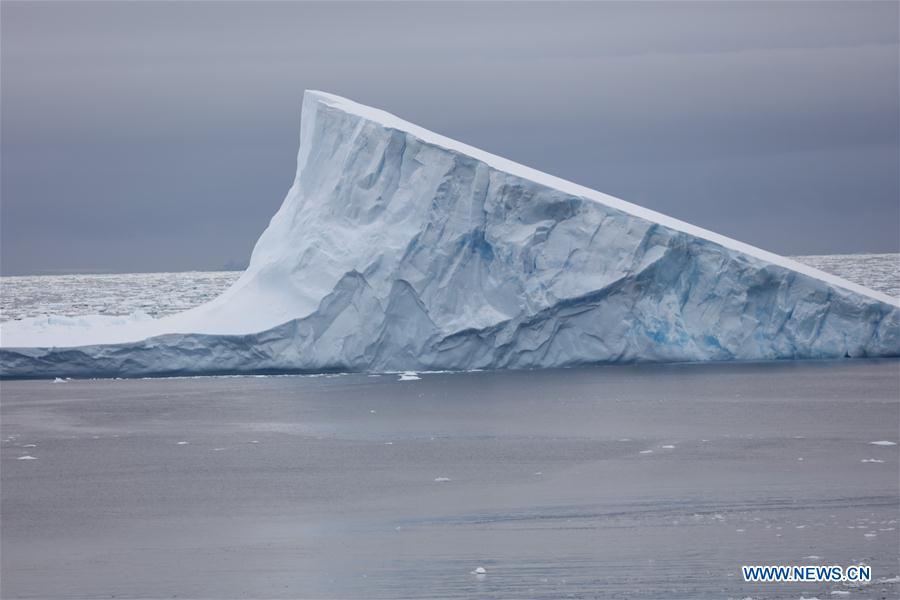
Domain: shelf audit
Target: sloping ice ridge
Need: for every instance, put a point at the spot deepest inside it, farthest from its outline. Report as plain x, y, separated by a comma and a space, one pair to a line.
400, 249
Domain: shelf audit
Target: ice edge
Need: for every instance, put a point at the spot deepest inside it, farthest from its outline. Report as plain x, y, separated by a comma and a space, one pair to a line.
392, 121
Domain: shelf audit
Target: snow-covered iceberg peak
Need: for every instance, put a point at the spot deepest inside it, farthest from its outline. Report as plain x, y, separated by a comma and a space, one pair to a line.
400, 249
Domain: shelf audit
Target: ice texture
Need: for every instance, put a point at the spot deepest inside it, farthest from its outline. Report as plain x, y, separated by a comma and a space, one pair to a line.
398, 249
112, 294
160, 294
879, 272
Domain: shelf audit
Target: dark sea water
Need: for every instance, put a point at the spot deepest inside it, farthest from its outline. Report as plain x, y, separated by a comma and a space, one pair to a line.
608, 482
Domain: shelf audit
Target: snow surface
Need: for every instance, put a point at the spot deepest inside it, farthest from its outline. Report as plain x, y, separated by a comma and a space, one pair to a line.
400, 249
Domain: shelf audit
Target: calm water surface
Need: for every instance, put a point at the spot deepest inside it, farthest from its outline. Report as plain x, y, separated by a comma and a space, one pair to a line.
608, 482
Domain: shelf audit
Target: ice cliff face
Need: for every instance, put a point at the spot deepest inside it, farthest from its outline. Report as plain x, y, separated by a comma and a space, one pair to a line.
399, 249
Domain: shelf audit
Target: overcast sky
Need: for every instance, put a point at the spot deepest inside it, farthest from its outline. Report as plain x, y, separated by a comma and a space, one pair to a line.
163, 136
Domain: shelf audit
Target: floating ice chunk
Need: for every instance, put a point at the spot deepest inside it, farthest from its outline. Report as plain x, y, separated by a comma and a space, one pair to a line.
872, 460
646, 452
668, 447
895, 579
840, 593
59, 380
398, 249
409, 376
182, 443
870, 535
813, 557
27, 457
30, 446
883, 443
442, 479
479, 571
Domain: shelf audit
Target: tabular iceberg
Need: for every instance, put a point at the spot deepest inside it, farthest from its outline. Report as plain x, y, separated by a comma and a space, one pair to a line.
400, 249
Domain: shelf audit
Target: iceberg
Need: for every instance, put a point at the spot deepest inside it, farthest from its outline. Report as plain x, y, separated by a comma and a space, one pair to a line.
398, 249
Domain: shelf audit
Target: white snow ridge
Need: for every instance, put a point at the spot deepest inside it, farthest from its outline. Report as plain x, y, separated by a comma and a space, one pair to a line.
398, 249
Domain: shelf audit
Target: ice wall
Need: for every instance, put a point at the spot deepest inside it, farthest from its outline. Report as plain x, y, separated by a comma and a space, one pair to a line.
397, 248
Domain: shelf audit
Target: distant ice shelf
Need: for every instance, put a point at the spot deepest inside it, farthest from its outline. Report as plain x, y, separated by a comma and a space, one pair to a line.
398, 249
